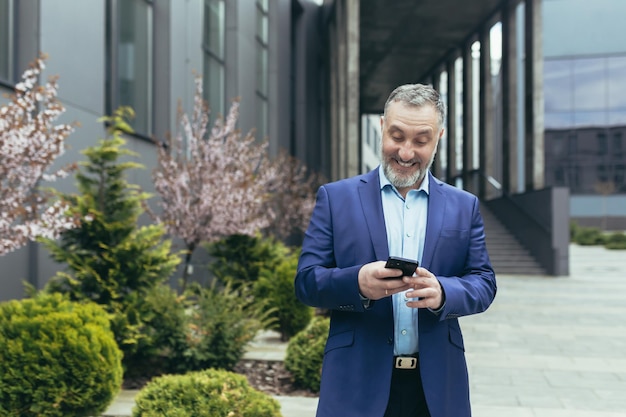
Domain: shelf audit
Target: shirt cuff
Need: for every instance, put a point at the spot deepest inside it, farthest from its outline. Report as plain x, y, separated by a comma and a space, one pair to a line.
365, 301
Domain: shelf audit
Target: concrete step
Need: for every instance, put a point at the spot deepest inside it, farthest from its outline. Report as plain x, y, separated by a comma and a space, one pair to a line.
507, 254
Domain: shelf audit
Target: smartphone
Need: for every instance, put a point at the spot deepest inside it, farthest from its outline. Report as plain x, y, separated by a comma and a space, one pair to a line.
407, 266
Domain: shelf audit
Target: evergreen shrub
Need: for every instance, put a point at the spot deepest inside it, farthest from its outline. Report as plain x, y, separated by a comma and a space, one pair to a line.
58, 358
615, 241
240, 258
276, 286
305, 352
209, 393
589, 236
109, 259
219, 324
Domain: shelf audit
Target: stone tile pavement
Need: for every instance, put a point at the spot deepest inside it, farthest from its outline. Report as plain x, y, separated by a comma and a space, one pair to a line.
547, 347
553, 347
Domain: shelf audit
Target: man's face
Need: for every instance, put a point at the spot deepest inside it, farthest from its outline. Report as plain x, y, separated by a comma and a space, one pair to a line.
410, 136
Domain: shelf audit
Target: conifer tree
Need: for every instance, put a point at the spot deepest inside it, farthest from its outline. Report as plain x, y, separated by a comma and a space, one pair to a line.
110, 260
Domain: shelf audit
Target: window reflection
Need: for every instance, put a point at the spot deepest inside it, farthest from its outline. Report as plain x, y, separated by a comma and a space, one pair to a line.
133, 53
557, 84
585, 102
213, 46
5, 40
262, 70
616, 80
589, 82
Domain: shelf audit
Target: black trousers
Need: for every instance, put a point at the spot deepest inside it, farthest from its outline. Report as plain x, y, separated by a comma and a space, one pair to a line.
406, 397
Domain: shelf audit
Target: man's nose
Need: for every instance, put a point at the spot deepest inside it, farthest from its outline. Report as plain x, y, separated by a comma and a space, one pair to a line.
406, 151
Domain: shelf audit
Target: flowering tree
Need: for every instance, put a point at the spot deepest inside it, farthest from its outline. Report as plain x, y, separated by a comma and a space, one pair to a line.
218, 183
292, 196
212, 184
29, 143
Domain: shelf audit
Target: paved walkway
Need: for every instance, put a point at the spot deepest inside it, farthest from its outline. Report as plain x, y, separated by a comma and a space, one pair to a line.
547, 347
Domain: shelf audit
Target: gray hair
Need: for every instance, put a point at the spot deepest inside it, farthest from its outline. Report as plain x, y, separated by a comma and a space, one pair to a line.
418, 95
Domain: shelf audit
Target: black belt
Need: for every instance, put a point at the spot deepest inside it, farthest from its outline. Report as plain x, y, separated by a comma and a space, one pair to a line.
406, 361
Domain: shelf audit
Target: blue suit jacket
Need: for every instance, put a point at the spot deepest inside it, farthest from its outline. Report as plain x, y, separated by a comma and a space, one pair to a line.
347, 230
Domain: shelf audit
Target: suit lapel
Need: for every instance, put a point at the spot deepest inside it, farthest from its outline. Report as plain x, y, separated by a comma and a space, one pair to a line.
369, 192
436, 210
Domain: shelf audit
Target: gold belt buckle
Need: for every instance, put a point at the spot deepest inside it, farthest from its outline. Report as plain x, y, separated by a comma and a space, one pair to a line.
406, 362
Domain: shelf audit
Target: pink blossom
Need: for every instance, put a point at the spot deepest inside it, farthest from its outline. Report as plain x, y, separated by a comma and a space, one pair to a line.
29, 144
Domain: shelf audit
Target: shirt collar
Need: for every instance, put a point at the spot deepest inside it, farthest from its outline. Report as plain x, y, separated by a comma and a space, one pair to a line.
424, 186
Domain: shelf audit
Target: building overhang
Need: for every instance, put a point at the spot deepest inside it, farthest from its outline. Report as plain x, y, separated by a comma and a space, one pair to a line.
403, 41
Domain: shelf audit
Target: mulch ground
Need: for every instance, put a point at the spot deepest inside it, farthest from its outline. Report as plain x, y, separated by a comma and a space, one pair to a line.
269, 377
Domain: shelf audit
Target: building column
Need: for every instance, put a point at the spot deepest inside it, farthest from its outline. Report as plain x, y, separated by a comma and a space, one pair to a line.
468, 120
533, 97
451, 170
486, 119
345, 91
437, 168
509, 98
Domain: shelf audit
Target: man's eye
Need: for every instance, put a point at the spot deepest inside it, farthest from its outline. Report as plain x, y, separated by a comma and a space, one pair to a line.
397, 138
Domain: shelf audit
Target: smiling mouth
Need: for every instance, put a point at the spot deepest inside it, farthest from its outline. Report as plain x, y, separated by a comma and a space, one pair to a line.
405, 164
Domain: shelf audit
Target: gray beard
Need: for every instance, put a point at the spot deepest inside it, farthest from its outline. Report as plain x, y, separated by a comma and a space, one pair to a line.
411, 180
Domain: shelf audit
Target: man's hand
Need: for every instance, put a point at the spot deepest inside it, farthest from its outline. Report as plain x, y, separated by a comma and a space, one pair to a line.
376, 281
426, 291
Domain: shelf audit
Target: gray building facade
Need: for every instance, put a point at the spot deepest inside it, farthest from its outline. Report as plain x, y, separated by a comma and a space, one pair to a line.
146, 54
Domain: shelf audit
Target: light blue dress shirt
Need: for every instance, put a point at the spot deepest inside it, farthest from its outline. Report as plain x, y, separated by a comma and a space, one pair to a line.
405, 221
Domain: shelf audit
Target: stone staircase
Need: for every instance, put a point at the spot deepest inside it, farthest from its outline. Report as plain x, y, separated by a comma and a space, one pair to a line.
507, 254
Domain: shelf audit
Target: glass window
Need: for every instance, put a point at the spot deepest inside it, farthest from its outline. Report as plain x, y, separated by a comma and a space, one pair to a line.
603, 144
617, 118
262, 70
132, 57
590, 84
617, 142
590, 118
558, 120
557, 85
619, 176
559, 176
616, 79
573, 144
6, 47
213, 46
602, 173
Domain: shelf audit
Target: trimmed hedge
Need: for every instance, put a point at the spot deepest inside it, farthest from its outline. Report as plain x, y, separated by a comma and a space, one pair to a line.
615, 241
589, 236
58, 358
209, 393
305, 352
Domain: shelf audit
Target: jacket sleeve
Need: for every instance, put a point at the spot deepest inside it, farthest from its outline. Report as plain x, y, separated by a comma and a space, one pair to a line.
471, 287
319, 282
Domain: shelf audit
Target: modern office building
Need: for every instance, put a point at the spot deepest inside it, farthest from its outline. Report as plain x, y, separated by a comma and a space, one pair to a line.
585, 107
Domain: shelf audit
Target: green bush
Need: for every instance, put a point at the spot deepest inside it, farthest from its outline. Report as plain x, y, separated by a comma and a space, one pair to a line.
588, 236
163, 318
240, 258
210, 393
305, 352
219, 323
573, 230
277, 287
615, 241
57, 358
